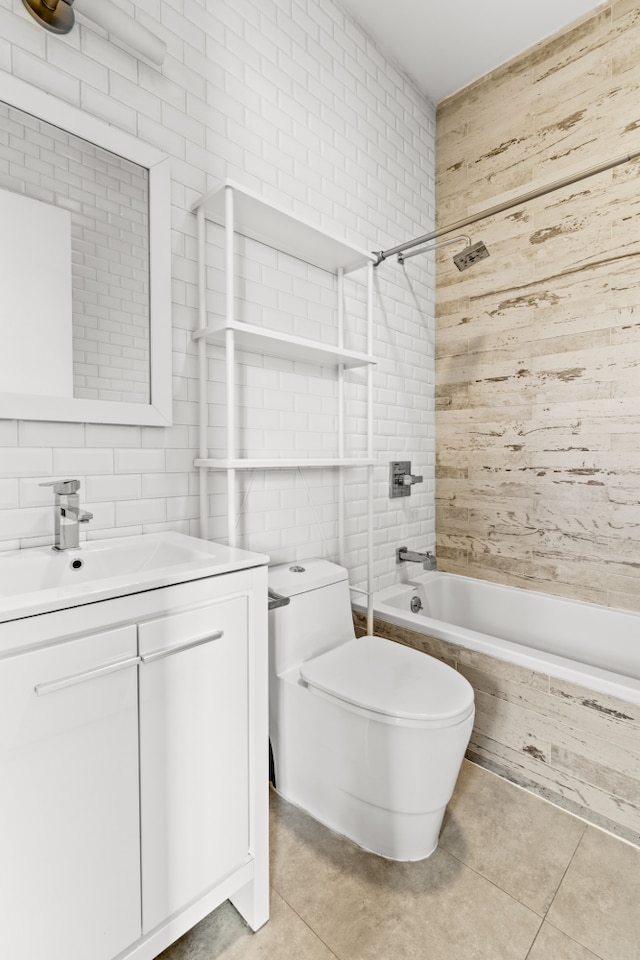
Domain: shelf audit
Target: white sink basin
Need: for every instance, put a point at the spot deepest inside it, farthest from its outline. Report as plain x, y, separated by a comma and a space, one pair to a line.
39, 579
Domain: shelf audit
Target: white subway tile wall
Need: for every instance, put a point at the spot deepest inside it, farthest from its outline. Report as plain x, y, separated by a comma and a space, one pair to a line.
292, 99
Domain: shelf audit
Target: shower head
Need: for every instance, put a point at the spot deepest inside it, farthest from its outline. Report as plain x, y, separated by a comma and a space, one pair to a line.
466, 258
470, 255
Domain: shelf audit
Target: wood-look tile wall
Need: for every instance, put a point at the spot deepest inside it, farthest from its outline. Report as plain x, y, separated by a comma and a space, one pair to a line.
538, 347
574, 747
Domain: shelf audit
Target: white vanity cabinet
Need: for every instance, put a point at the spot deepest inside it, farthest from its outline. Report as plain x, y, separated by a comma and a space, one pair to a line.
69, 862
133, 769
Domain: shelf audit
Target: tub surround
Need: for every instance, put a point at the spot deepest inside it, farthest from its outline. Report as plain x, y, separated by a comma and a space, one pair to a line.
538, 347
576, 748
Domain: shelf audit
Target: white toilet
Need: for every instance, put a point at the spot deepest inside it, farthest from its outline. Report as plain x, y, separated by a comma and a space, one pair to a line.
367, 735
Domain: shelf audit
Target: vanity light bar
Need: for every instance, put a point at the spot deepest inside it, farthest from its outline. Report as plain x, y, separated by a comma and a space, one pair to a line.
57, 16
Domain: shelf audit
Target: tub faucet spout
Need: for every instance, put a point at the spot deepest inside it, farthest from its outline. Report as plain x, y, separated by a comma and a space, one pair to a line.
427, 559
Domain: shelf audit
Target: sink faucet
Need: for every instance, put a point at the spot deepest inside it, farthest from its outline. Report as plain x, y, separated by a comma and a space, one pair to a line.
67, 513
427, 559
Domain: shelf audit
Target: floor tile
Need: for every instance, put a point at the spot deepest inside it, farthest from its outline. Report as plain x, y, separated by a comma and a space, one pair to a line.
224, 935
367, 908
210, 939
512, 838
598, 901
552, 944
476, 898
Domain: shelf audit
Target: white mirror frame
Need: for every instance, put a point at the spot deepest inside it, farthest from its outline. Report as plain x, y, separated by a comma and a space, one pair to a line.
158, 412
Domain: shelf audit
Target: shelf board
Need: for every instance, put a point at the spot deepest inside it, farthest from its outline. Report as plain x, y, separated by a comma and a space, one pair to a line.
284, 345
250, 463
268, 223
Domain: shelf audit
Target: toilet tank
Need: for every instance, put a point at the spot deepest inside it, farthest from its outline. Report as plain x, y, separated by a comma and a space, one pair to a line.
318, 616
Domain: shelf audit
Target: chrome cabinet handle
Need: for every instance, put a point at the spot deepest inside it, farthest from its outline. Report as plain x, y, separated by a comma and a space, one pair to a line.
52, 686
181, 647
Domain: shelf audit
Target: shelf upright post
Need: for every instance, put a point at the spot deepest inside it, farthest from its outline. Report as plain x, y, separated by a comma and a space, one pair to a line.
203, 473
341, 451
230, 363
370, 450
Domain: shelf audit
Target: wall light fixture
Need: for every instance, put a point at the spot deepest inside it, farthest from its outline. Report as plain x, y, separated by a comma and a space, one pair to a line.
58, 16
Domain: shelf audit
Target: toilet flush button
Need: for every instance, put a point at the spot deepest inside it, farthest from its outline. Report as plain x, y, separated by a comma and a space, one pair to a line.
297, 569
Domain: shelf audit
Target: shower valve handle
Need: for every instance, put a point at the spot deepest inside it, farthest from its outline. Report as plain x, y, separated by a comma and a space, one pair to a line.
401, 479
408, 479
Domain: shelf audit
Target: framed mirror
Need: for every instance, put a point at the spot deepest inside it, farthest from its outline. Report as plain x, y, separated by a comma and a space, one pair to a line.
85, 266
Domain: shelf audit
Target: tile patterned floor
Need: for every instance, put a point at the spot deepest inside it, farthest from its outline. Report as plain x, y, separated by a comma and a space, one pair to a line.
513, 878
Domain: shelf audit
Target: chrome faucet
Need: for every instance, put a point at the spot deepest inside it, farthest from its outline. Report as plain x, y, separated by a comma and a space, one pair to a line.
67, 513
427, 559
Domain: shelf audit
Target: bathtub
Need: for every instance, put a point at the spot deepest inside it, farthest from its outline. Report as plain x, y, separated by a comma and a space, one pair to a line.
593, 646
556, 685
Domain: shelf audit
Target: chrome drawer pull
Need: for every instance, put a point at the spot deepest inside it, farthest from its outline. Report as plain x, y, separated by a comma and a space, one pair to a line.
52, 686
180, 648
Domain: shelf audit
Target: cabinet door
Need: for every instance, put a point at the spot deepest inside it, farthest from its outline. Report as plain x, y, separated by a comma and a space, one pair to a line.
69, 818
193, 753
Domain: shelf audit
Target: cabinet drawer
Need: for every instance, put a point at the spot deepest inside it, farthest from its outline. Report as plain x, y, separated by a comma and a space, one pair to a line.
194, 753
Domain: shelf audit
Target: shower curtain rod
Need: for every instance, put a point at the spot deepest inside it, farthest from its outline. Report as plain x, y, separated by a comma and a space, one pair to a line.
506, 205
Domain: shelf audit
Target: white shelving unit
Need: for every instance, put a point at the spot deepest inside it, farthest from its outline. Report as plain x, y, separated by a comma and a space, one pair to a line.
273, 344
241, 211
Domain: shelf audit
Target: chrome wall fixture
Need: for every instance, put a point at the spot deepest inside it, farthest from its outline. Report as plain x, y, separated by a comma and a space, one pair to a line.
58, 16
403, 255
426, 558
466, 258
381, 255
401, 479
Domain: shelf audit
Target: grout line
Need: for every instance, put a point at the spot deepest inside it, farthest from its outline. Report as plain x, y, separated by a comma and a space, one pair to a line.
492, 882
572, 858
515, 899
533, 942
569, 813
551, 924
543, 918
307, 925
596, 956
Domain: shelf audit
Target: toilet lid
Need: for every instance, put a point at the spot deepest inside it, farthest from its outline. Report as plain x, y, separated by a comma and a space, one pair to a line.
388, 678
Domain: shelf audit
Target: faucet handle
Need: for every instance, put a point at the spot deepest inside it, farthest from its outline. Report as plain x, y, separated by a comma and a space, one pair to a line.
408, 479
62, 487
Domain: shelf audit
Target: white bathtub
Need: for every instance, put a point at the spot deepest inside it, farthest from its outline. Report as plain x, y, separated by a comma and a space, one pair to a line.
596, 647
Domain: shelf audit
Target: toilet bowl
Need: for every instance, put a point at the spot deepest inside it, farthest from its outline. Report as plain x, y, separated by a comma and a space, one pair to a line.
367, 735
